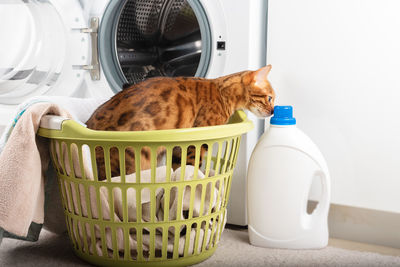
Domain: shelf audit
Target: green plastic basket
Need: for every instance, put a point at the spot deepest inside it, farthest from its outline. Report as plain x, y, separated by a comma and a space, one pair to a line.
108, 233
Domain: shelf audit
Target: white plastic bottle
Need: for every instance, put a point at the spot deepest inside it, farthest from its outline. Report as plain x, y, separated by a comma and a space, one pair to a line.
281, 170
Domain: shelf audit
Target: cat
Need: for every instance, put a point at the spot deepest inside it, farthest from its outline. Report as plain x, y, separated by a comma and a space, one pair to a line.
180, 102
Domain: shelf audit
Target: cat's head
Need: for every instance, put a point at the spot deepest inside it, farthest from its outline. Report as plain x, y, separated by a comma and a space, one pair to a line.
261, 95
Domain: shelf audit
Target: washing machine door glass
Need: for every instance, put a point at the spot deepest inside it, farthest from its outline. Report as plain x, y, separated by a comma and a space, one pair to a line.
140, 39
30, 58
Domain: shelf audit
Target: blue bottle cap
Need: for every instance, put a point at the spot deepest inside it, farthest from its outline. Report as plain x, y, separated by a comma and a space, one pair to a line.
283, 115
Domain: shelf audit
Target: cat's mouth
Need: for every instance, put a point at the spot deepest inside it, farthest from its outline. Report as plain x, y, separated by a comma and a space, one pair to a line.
260, 114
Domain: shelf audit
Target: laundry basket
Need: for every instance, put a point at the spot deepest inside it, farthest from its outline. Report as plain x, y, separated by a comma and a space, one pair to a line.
152, 217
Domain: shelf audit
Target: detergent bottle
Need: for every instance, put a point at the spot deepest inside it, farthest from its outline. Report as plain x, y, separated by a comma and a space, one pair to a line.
281, 170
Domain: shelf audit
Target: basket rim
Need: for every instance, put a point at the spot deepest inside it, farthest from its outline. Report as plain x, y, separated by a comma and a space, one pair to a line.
72, 130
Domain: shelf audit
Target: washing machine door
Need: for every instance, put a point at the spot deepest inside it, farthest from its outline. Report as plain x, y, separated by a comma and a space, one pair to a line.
42, 46
50, 46
139, 39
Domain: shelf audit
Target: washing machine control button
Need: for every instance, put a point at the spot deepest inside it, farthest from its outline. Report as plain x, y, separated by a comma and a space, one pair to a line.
221, 45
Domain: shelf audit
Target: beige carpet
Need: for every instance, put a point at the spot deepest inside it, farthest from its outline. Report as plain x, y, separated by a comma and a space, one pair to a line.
234, 250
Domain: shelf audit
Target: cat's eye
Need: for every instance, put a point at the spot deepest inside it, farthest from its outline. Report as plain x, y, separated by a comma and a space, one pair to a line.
269, 98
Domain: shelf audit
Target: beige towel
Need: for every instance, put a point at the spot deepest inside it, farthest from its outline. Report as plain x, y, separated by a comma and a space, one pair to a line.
22, 163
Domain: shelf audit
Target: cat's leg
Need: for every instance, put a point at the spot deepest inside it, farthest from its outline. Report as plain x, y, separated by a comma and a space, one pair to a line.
145, 161
190, 156
100, 162
130, 166
114, 162
129, 160
161, 156
200, 121
101, 171
176, 157
145, 158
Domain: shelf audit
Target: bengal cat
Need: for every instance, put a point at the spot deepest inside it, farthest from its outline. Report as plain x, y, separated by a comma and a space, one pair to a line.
181, 102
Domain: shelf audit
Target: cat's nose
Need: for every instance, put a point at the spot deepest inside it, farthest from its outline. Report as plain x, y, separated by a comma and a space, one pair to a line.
272, 111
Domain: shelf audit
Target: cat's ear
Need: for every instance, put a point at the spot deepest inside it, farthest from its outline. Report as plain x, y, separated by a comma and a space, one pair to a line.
260, 77
262, 73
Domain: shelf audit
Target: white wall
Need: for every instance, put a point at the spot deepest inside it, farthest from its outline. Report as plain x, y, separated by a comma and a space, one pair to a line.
338, 63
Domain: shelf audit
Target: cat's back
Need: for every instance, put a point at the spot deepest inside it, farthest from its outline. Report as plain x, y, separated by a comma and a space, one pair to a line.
151, 104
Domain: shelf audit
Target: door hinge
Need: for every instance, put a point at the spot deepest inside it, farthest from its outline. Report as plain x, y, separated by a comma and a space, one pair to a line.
94, 66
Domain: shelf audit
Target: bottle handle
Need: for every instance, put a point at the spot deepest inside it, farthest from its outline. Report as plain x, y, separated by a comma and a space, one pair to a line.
322, 208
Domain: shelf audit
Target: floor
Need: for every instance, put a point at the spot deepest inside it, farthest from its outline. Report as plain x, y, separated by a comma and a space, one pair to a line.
233, 250
345, 244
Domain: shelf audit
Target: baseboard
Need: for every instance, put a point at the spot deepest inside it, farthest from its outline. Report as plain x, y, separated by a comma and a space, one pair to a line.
364, 225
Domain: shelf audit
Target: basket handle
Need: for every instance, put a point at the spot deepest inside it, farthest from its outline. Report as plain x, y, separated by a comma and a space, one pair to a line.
52, 122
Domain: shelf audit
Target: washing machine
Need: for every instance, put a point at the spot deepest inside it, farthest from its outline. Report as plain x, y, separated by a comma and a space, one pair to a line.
90, 48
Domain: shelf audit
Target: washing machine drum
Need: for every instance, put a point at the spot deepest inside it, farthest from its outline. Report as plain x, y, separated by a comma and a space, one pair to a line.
154, 38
